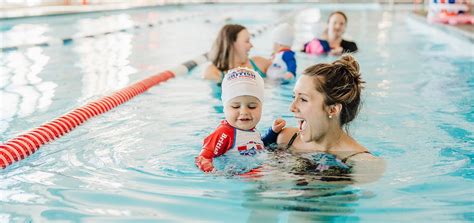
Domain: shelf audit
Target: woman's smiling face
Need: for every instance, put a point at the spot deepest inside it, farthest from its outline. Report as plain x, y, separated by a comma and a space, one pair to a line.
309, 108
243, 45
337, 25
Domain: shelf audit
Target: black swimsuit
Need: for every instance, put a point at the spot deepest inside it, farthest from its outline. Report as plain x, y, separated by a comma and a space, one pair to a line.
324, 165
323, 162
292, 140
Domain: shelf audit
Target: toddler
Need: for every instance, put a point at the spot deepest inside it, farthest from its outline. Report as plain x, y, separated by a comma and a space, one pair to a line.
283, 60
236, 136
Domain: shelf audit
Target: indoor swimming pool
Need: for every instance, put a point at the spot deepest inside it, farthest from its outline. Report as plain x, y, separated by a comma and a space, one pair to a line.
135, 163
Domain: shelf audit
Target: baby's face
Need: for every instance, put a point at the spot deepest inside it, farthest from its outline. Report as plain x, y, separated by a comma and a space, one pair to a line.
243, 112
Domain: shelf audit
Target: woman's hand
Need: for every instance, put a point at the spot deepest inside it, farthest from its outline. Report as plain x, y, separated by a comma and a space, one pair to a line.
336, 52
278, 125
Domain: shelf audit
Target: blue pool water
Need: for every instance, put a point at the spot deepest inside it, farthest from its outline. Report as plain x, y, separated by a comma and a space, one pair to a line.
135, 162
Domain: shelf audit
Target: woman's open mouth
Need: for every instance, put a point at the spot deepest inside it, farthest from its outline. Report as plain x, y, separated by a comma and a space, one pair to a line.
301, 124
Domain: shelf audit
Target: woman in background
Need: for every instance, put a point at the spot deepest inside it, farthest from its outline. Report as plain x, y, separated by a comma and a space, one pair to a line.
331, 42
231, 50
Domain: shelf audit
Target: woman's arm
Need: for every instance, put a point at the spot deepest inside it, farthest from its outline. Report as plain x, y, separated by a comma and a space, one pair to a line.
212, 73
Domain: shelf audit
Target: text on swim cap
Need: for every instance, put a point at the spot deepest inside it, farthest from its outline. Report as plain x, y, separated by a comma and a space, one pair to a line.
240, 74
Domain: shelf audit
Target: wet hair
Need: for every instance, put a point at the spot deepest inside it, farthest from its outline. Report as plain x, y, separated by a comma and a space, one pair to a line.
338, 12
222, 51
340, 82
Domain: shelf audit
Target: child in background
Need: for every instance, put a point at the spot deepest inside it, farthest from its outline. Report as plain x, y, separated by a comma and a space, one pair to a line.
236, 136
317, 47
283, 60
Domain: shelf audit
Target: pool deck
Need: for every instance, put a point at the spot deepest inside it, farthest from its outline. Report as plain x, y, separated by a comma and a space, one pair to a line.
464, 31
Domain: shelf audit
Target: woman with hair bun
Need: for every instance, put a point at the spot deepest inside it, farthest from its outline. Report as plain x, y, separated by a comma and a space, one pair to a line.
327, 98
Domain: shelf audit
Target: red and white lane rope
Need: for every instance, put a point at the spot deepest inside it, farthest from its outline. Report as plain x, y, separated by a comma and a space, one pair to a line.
26, 144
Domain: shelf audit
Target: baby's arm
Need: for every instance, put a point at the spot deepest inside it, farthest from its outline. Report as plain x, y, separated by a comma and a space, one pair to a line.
271, 135
289, 58
216, 144
278, 125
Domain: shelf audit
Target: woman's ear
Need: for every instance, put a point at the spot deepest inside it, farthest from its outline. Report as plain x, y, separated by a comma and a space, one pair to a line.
335, 109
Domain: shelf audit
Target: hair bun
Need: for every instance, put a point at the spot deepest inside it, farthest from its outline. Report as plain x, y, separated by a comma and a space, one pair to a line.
349, 60
352, 66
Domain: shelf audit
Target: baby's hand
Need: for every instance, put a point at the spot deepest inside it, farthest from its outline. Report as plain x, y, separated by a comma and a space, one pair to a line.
278, 125
288, 76
204, 164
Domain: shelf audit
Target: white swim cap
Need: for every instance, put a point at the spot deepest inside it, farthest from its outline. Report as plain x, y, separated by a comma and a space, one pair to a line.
283, 34
242, 81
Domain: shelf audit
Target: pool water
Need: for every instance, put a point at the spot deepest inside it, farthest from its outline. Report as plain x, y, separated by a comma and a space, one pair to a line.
136, 162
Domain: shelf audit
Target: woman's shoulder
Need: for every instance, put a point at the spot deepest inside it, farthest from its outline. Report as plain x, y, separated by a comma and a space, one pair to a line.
262, 62
347, 41
212, 73
286, 134
259, 59
349, 46
350, 149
